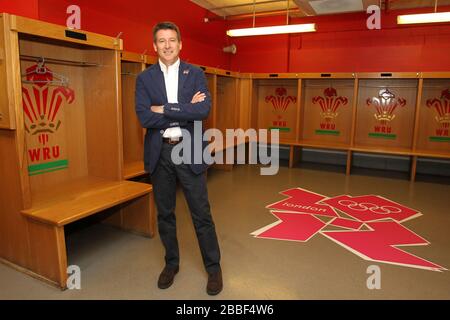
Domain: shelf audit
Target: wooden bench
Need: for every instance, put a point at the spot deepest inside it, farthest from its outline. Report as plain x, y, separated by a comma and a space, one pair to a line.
59, 206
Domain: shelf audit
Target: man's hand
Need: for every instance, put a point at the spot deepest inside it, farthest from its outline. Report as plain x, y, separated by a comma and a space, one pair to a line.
157, 109
198, 97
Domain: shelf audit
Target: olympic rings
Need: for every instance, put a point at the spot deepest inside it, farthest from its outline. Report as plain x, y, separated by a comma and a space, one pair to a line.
364, 206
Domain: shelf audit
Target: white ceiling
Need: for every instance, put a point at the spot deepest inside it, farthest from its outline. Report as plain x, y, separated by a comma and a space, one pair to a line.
300, 8
336, 6
235, 7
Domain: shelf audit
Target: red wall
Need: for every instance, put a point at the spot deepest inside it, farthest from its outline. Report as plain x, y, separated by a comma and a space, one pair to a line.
202, 44
135, 18
344, 44
25, 8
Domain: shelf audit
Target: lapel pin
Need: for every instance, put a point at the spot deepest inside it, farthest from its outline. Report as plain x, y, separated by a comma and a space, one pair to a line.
186, 71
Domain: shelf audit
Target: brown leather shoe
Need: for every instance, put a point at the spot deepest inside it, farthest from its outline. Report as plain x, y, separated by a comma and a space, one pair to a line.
166, 277
215, 284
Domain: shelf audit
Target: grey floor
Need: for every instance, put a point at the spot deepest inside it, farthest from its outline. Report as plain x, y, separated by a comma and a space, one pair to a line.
119, 265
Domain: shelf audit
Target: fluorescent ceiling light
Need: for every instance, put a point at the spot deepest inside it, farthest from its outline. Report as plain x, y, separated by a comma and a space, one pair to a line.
424, 18
289, 28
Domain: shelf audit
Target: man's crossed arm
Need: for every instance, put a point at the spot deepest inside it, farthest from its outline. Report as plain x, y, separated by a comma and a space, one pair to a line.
198, 97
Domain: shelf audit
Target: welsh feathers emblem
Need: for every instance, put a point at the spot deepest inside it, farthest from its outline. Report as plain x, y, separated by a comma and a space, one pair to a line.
329, 103
280, 102
442, 108
43, 97
385, 105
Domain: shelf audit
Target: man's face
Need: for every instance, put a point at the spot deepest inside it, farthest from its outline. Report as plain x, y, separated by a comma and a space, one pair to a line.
167, 46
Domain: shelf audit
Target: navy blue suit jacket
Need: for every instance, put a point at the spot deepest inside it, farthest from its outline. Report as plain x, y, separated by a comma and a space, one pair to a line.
151, 90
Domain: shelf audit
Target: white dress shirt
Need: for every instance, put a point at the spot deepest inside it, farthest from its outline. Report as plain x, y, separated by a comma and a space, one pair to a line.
171, 81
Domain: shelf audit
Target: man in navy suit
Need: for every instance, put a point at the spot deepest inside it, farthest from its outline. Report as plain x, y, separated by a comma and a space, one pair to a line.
170, 96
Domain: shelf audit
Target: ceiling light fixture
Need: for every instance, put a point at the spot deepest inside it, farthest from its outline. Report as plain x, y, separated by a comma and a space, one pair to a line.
435, 17
293, 28
288, 28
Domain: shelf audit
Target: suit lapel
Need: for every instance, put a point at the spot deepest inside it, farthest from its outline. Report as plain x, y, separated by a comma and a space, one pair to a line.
183, 73
159, 79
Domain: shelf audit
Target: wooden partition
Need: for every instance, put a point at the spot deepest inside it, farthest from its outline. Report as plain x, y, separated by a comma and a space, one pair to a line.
133, 134
276, 103
7, 114
211, 79
385, 114
432, 122
62, 155
223, 86
326, 111
244, 112
433, 127
226, 102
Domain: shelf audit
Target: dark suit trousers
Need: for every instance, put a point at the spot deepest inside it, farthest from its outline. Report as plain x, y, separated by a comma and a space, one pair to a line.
194, 187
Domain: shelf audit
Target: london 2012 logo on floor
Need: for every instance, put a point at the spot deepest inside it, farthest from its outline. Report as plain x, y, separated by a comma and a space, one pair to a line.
369, 226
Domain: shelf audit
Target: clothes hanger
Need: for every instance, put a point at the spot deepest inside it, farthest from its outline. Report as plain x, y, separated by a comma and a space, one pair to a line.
41, 70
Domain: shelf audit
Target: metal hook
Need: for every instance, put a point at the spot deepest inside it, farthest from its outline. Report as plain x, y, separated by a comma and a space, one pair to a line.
287, 11
143, 55
254, 13
41, 66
